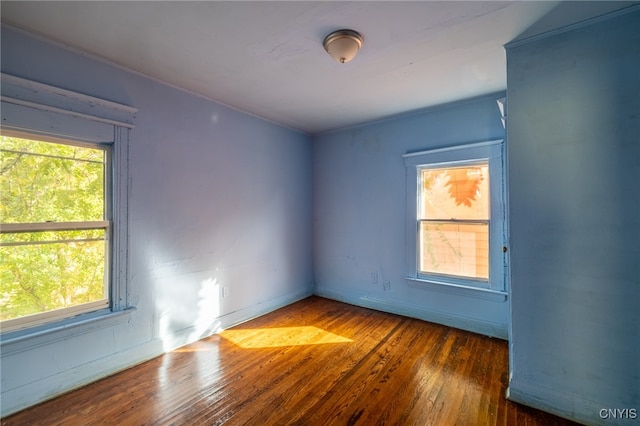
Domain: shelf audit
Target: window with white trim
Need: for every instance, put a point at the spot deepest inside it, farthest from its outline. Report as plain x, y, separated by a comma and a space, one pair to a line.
456, 216
63, 214
55, 211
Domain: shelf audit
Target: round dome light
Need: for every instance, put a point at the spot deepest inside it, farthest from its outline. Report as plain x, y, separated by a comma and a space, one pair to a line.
343, 45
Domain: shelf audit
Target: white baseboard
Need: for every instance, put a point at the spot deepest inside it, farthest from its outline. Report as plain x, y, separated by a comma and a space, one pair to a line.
35, 392
452, 320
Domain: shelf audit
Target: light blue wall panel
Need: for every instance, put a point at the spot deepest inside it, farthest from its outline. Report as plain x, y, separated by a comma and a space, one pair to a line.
574, 170
218, 198
360, 213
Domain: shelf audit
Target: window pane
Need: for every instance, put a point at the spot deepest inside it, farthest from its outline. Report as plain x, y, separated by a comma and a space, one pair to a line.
44, 271
55, 270
455, 192
454, 249
44, 181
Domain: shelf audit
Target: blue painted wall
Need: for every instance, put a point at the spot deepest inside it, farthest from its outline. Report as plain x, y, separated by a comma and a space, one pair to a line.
359, 214
574, 170
217, 198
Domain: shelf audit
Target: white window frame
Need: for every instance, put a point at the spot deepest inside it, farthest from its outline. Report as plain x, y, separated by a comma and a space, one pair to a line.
39, 111
491, 151
105, 224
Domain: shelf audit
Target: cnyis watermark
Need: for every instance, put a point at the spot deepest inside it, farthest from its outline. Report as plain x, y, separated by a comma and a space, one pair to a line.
618, 413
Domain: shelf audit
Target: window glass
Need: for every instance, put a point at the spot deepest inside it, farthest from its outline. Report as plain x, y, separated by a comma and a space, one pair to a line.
455, 192
43, 181
54, 240
454, 249
453, 219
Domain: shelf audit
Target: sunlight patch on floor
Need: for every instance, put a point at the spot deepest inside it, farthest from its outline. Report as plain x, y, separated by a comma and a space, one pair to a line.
281, 336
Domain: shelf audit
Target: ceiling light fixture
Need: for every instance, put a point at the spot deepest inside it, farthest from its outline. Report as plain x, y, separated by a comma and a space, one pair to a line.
343, 45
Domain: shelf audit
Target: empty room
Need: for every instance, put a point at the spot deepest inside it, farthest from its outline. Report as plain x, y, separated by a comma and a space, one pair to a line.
320, 213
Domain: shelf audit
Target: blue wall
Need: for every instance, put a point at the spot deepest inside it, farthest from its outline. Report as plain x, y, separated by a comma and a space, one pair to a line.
217, 198
359, 199
221, 198
574, 170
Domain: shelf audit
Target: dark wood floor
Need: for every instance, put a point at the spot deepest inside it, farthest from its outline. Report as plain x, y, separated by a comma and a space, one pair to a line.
316, 362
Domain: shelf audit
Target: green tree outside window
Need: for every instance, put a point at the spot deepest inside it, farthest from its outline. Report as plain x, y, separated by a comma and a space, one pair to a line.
45, 182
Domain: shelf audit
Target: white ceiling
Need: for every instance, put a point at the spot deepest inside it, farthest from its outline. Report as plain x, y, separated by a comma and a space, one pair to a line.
266, 57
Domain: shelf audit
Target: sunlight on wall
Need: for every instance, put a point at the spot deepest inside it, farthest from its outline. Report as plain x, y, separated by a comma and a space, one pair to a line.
179, 324
256, 338
206, 322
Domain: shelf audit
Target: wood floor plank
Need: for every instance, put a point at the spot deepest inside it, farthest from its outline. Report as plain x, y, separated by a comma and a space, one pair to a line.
316, 362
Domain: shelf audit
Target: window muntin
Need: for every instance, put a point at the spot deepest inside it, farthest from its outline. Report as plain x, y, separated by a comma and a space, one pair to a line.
453, 220
55, 229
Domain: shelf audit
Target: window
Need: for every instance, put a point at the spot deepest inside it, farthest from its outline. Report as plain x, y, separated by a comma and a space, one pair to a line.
453, 220
55, 214
63, 213
456, 221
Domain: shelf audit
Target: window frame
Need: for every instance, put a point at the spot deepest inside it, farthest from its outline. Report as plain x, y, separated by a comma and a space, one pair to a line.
38, 111
459, 155
33, 320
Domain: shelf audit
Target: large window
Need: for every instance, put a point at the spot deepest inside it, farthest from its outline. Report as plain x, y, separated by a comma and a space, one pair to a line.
456, 224
63, 213
54, 244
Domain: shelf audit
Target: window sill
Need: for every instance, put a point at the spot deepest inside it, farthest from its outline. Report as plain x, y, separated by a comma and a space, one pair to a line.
26, 339
443, 287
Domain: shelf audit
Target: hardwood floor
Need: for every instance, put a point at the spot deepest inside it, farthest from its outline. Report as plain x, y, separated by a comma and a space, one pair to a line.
316, 362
